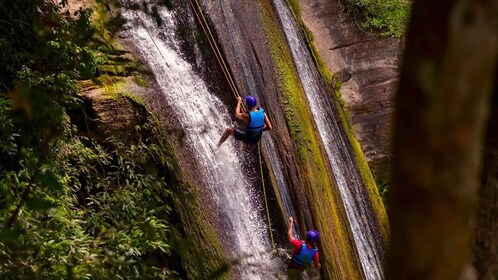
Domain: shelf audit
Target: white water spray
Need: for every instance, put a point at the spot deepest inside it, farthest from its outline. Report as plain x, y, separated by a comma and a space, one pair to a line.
204, 118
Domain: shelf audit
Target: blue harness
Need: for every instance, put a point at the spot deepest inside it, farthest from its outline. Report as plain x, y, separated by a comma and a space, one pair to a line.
305, 256
256, 121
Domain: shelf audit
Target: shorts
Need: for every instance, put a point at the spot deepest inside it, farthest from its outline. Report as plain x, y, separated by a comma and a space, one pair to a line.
247, 137
293, 265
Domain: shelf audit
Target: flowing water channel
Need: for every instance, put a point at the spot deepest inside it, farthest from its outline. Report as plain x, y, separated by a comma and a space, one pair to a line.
354, 197
237, 41
204, 118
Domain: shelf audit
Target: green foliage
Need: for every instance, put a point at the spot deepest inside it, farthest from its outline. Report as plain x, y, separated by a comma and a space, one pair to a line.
93, 211
73, 207
294, 5
389, 17
384, 188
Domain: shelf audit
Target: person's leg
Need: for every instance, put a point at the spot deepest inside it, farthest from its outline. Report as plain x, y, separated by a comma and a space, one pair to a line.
293, 274
225, 136
253, 138
283, 254
294, 271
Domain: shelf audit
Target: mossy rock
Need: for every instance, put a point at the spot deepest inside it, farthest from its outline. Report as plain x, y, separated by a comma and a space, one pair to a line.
339, 259
116, 69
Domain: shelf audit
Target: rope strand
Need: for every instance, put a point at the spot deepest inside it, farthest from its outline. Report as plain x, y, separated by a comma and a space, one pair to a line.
217, 53
150, 35
230, 81
219, 58
207, 31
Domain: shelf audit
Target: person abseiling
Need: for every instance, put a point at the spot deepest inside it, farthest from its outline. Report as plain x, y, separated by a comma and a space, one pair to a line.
256, 122
304, 252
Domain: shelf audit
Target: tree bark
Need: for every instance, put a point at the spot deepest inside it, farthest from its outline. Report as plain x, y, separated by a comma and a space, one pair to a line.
441, 114
486, 241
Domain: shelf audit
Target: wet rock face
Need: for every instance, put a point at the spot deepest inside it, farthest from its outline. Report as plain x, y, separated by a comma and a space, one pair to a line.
368, 67
105, 115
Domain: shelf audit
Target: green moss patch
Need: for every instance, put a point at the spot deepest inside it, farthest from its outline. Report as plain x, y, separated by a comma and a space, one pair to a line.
368, 180
339, 259
333, 86
140, 80
196, 242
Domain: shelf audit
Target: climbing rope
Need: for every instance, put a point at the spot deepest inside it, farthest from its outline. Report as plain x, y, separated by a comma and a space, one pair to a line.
150, 35
207, 31
217, 53
209, 35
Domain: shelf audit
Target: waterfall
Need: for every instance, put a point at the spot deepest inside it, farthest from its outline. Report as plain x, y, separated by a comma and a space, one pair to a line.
354, 196
236, 40
204, 118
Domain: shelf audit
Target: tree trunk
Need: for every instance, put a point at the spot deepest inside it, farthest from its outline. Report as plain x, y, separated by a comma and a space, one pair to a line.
442, 108
486, 246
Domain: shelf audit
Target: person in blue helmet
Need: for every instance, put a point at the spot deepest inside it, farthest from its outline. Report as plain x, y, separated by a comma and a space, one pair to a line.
255, 119
303, 252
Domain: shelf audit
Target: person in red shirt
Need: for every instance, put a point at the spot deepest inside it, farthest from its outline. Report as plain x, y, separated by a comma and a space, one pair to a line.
303, 252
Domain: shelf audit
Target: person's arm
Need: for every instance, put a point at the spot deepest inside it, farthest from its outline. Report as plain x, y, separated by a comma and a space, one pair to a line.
290, 235
316, 260
267, 124
238, 111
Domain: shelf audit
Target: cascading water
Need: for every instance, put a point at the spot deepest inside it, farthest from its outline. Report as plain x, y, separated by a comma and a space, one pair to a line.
206, 117
355, 200
236, 39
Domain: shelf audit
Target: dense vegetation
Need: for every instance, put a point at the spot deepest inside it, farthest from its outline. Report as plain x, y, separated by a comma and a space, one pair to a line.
73, 205
389, 17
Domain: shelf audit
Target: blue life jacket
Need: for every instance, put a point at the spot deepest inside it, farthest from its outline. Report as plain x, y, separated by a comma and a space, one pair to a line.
256, 121
305, 256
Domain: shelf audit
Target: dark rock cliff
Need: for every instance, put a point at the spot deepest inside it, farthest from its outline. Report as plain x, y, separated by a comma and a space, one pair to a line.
260, 60
368, 67
252, 40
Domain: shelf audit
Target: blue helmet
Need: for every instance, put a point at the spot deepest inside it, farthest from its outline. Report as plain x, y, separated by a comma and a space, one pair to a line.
312, 236
250, 101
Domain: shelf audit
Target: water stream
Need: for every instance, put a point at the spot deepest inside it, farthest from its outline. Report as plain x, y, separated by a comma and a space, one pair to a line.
354, 197
222, 171
237, 41
205, 117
